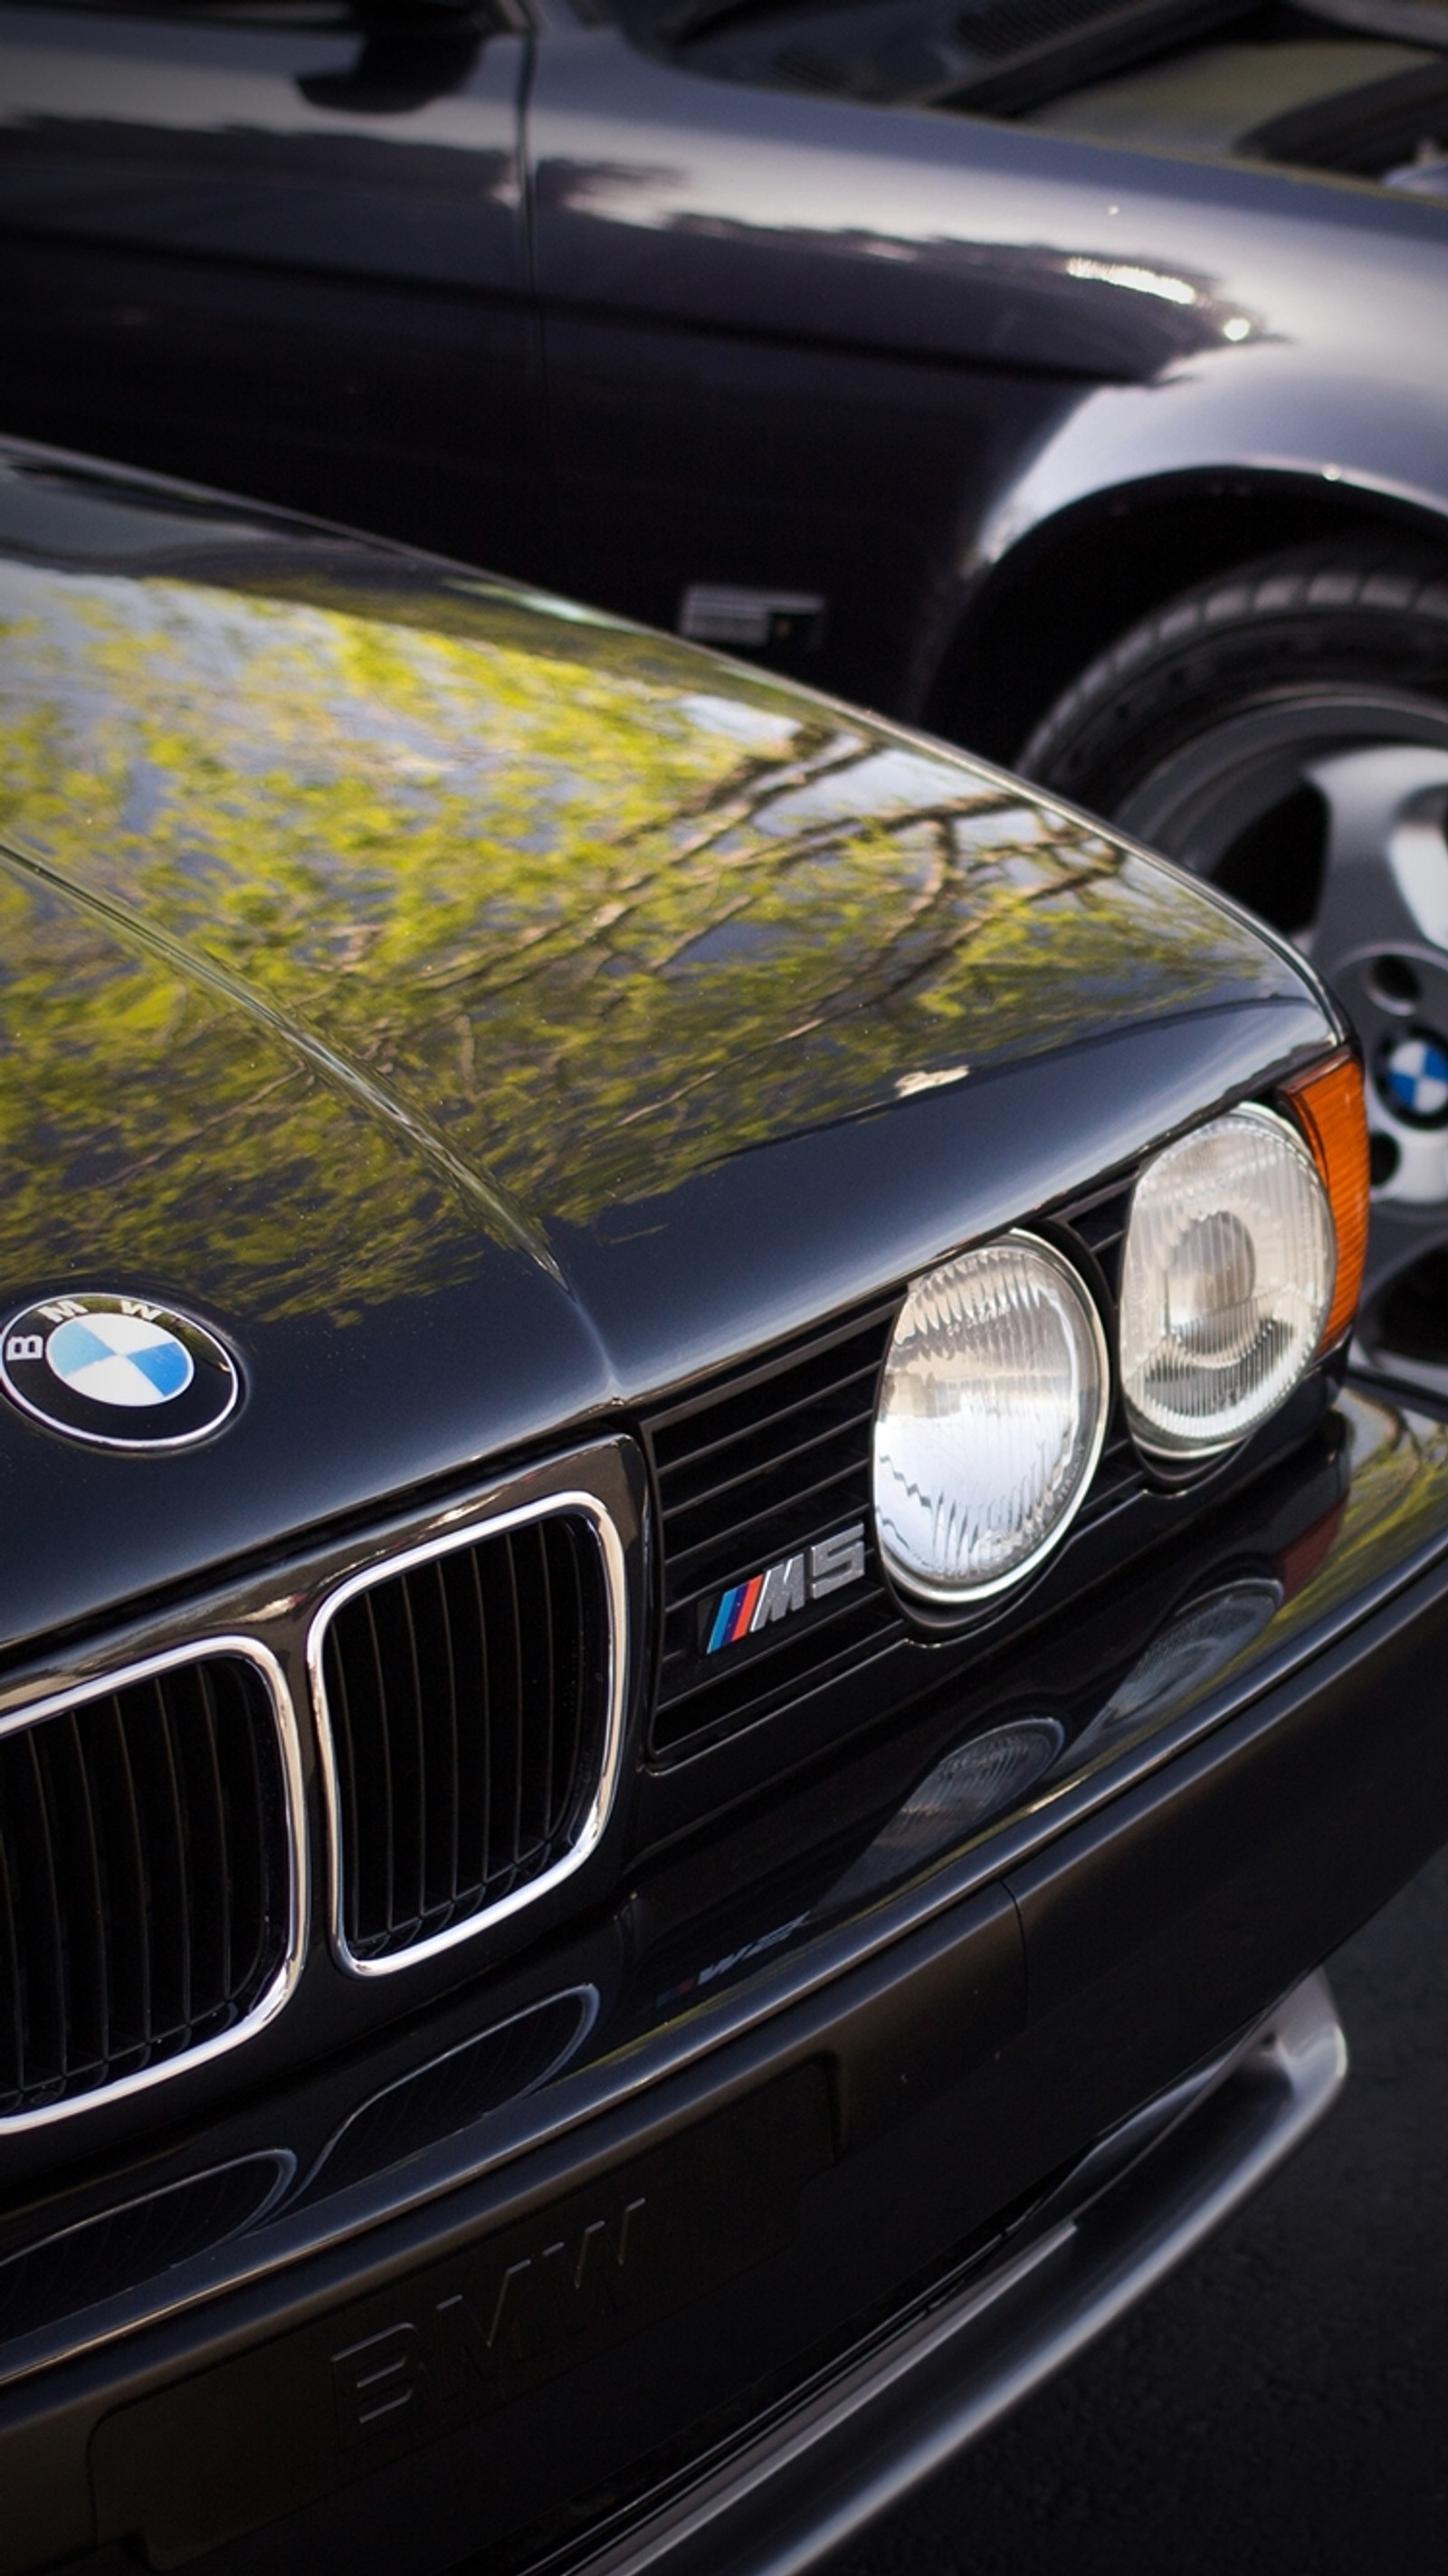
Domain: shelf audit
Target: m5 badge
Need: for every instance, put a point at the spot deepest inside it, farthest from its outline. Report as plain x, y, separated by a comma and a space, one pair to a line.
782, 1589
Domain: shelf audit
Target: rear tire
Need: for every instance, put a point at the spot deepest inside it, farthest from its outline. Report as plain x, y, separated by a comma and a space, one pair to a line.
1283, 729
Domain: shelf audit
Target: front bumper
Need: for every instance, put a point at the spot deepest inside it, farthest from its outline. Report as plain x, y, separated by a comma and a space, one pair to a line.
851, 2447
773, 2237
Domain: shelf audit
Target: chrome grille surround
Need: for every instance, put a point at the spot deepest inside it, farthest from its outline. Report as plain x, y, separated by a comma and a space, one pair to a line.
38, 1712
479, 1525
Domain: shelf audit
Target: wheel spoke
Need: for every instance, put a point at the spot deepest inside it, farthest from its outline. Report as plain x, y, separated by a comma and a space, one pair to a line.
1386, 880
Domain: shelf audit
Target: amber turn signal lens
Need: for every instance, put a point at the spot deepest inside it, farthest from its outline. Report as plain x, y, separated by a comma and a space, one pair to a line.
1328, 1106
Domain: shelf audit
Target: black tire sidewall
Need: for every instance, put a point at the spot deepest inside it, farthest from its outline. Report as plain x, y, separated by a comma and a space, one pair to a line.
1292, 628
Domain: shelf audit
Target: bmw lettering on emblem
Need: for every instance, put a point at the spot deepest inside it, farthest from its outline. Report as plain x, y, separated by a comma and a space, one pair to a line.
117, 1370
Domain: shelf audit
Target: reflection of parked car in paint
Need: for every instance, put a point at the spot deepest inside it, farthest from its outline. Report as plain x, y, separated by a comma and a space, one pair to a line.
1065, 377
697, 1626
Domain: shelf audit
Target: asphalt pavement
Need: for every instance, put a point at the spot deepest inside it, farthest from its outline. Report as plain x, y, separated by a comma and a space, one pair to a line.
1281, 2403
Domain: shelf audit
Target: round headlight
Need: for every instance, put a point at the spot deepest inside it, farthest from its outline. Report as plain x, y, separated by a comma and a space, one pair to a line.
990, 1421
1226, 1283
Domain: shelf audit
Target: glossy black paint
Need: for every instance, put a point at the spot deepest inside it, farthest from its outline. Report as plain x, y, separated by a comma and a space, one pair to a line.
251, 250
492, 1018
447, 1193
870, 353
589, 314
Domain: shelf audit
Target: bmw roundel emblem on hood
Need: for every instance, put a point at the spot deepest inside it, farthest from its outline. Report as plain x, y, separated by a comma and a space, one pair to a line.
117, 1370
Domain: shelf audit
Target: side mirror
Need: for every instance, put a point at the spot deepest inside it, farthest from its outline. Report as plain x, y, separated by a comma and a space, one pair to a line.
397, 69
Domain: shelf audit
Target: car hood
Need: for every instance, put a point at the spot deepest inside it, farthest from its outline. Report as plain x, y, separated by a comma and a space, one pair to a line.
486, 1014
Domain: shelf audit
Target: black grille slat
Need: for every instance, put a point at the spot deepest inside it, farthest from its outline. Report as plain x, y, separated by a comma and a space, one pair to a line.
578, 1701
211, 1821
753, 1541
1117, 1476
145, 1880
817, 1356
40, 2036
487, 1767
12, 2005
804, 1467
452, 1781
88, 1868
128, 1874
171, 1881
550, 1709
528, 1614
385, 1861
503, 1856
564, 1613
253, 1846
418, 1876
850, 1400
348, 1827
467, 1701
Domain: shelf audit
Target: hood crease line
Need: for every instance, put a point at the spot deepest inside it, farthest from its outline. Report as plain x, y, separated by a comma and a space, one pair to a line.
339, 1071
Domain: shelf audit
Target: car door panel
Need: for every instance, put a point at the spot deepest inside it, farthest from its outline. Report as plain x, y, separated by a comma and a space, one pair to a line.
853, 333
696, 462
794, 349
290, 261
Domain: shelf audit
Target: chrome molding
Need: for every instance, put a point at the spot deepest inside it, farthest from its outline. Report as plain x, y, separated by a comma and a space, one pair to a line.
269, 2004
487, 1524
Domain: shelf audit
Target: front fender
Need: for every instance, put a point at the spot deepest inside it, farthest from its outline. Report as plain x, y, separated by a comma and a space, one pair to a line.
1142, 490
1275, 413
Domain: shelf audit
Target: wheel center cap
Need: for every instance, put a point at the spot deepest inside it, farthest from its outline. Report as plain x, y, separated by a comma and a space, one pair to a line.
1412, 1078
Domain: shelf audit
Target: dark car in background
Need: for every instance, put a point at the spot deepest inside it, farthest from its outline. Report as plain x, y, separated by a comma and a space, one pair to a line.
700, 1635
1066, 377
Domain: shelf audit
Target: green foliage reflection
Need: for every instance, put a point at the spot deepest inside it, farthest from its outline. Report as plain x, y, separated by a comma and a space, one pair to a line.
567, 909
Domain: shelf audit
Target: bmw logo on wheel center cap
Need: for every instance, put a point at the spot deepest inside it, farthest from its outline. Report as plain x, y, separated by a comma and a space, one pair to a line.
1413, 1078
117, 1370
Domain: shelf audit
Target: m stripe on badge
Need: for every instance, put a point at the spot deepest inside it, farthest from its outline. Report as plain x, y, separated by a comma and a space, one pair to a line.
731, 1619
784, 1588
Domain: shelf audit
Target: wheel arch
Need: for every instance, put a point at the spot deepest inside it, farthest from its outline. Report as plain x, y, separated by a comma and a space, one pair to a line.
1034, 617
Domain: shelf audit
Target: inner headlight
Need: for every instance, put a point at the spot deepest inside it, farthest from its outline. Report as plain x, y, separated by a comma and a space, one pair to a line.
1226, 1283
990, 1420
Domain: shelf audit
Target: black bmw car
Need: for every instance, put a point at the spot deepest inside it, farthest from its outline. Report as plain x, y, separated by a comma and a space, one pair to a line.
1064, 374
700, 1637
